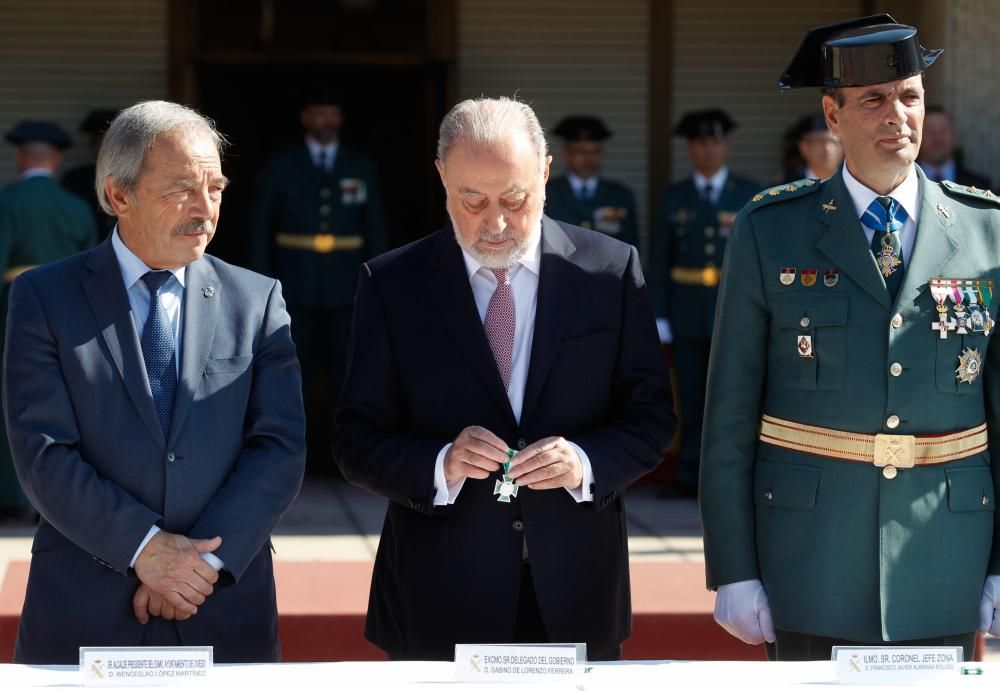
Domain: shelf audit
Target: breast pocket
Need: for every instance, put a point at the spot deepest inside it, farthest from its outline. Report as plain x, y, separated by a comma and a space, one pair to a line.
228, 365
809, 341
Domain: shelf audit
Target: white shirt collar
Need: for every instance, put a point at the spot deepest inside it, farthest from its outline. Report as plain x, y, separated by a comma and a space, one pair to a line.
532, 259
132, 267
37, 173
716, 181
315, 147
578, 183
907, 194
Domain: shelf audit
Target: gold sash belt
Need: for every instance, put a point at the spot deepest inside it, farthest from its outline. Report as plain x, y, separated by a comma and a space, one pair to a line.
882, 450
690, 276
322, 243
13, 272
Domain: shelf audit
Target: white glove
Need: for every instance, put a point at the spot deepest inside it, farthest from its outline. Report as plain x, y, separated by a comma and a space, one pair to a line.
989, 607
742, 610
663, 329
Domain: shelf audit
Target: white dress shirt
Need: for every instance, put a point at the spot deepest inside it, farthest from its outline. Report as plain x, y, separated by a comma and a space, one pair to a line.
582, 189
329, 152
907, 195
523, 278
717, 181
172, 300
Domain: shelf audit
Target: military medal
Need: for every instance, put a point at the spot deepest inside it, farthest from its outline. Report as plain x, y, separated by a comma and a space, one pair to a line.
939, 291
985, 290
787, 275
970, 364
830, 277
887, 259
508, 487
808, 277
805, 347
961, 315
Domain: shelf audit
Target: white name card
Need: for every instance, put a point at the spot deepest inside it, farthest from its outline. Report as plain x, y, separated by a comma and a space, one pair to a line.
145, 666
887, 665
519, 663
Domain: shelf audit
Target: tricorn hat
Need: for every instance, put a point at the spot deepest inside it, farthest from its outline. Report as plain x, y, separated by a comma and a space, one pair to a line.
857, 52
581, 128
38, 131
704, 123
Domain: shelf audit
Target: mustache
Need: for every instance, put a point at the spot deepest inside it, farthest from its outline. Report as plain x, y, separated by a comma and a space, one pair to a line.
195, 228
507, 234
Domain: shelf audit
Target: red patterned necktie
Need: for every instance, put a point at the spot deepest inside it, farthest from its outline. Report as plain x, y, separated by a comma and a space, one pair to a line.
499, 325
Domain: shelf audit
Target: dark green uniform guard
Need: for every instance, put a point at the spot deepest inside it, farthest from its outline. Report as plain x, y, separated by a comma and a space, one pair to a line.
689, 243
314, 223
80, 180
40, 222
847, 463
581, 196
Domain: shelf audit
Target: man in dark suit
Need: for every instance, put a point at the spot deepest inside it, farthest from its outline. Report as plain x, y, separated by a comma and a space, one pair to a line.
582, 197
693, 222
153, 404
505, 387
937, 152
317, 217
39, 222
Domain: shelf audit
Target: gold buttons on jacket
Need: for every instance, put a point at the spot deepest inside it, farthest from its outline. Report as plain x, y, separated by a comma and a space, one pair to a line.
895, 369
897, 321
769, 495
325, 192
892, 422
804, 322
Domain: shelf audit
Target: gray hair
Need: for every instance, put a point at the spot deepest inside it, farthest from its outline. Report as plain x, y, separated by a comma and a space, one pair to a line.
132, 134
487, 122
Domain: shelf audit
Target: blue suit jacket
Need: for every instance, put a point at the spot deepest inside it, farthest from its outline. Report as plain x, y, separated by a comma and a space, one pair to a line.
91, 457
421, 370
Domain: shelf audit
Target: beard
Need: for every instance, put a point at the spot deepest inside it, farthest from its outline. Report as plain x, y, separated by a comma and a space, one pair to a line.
497, 259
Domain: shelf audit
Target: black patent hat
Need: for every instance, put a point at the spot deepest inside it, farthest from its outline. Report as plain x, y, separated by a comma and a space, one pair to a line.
28, 131
582, 128
704, 123
858, 52
98, 121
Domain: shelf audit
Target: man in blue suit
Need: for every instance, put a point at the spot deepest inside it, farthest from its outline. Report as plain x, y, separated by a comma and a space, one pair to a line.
153, 403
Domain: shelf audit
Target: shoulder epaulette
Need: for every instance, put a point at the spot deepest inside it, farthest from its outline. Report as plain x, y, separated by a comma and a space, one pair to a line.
782, 192
967, 191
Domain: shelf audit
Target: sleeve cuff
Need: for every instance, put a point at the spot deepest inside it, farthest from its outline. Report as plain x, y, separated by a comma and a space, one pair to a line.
663, 329
213, 561
142, 545
585, 492
444, 493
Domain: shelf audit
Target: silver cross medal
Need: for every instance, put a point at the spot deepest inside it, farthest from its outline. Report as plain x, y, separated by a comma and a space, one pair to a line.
508, 487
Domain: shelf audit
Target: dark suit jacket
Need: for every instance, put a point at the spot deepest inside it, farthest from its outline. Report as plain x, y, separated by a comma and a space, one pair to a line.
91, 457
294, 197
421, 371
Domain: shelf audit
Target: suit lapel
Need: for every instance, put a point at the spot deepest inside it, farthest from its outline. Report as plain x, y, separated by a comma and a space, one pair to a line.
935, 245
109, 301
557, 279
451, 295
844, 242
202, 294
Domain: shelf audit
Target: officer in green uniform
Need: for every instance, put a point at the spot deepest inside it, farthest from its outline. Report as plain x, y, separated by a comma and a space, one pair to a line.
317, 217
693, 223
820, 153
581, 196
40, 222
847, 490
80, 180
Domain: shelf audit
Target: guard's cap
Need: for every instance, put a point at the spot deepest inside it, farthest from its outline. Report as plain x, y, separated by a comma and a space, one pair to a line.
97, 121
814, 122
704, 123
38, 131
321, 95
581, 128
857, 52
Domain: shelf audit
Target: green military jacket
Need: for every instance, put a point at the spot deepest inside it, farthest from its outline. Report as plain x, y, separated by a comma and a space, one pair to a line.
843, 550
691, 235
295, 198
611, 210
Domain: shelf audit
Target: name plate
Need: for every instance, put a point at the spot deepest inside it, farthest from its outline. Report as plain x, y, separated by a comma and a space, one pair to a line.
888, 665
519, 663
141, 666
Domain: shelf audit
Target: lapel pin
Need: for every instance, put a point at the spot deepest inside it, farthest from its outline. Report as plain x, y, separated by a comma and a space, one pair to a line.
944, 210
829, 206
208, 292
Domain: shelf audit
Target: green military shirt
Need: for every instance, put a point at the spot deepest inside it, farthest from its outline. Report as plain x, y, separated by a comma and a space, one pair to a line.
336, 214
611, 210
845, 549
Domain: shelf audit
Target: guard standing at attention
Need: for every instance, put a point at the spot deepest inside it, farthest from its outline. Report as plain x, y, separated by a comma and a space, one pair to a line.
317, 217
40, 222
693, 222
581, 196
847, 490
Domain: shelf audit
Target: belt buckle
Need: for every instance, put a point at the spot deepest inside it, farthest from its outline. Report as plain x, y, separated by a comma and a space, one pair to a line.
896, 450
323, 243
